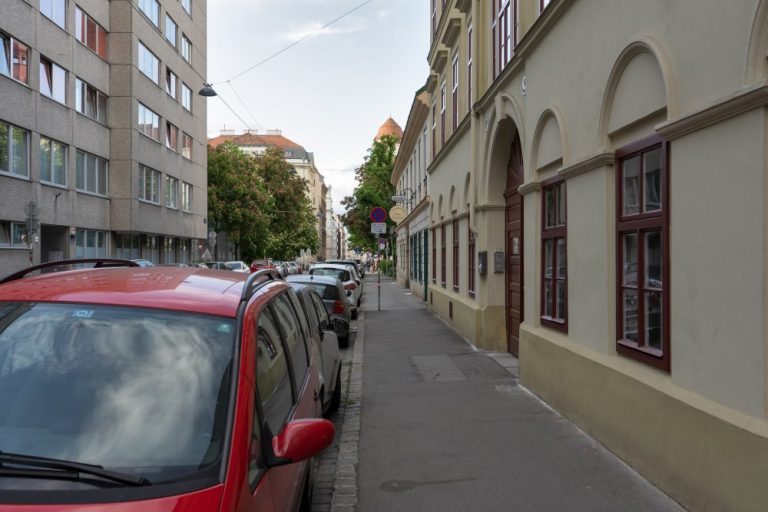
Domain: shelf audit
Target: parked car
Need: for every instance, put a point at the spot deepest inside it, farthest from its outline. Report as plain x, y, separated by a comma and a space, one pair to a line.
357, 276
143, 263
345, 274
238, 266
357, 266
318, 327
294, 267
163, 389
216, 265
334, 296
261, 264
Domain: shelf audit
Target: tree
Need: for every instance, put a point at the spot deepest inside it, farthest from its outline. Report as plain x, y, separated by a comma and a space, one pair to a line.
292, 220
374, 189
236, 195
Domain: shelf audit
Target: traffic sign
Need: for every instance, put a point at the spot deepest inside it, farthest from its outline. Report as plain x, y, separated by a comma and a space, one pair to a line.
378, 228
378, 214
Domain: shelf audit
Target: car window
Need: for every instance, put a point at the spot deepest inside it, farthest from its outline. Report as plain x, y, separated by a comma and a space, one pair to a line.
311, 313
332, 272
294, 339
325, 291
322, 313
272, 378
301, 313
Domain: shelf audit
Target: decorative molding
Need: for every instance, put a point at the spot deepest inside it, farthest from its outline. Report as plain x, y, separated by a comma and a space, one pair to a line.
490, 208
452, 31
431, 83
439, 61
452, 141
464, 6
533, 186
743, 100
604, 159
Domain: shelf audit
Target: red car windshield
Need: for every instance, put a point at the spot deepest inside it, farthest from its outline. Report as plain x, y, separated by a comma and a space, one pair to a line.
139, 391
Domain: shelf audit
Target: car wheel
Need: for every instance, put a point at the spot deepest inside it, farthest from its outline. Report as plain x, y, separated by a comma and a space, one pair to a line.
344, 341
336, 398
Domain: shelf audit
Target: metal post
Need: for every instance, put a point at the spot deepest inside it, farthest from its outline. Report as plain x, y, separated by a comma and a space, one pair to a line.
379, 284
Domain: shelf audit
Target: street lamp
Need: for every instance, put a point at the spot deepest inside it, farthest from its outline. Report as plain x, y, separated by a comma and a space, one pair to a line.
207, 91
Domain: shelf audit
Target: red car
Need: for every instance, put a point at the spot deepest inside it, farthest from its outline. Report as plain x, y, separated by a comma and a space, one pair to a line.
155, 389
257, 265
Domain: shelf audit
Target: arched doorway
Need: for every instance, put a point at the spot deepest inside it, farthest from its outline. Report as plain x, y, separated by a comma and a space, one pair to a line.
514, 247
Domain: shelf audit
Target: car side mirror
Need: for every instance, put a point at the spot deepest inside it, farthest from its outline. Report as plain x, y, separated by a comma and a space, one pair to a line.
301, 439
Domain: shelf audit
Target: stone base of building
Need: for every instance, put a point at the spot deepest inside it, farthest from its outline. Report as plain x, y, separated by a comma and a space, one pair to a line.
704, 455
484, 327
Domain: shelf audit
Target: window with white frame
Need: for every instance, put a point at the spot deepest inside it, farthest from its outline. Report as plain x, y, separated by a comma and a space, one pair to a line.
91, 173
455, 93
14, 150
149, 123
170, 82
90, 102
14, 59
504, 20
149, 184
186, 197
53, 81
469, 66
55, 10
151, 8
90, 33
149, 64
171, 136
186, 145
186, 97
187, 5
186, 48
90, 244
171, 192
170, 30
443, 102
53, 161
12, 234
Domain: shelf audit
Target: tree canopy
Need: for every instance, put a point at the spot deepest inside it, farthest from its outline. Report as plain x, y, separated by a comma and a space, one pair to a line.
373, 189
260, 202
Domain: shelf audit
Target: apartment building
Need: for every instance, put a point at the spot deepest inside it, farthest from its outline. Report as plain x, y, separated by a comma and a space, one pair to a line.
607, 161
102, 139
301, 160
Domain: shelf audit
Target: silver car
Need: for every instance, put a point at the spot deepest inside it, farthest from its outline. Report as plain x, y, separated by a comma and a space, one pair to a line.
331, 291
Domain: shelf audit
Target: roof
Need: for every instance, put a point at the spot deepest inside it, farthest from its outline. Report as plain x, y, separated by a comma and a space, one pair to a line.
188, 289
390, 127
256, 140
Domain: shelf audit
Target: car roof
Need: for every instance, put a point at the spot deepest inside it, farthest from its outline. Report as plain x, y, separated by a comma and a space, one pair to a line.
309, 278
189, 289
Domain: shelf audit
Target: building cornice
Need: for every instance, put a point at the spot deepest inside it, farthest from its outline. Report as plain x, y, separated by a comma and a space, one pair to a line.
743, 100
490, 208
594, 162
452, 31
431, 84
435, 43
440, 59
416, 119
416, 211
541, 27
533, 186
464, 6
452, 141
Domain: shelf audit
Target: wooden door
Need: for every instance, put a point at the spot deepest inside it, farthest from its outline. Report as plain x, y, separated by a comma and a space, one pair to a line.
514, 247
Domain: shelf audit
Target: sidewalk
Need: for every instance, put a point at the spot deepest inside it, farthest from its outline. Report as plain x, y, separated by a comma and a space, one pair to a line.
445, 427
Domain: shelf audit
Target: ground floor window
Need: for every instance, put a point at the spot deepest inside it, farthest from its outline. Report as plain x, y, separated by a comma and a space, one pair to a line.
169, 250
554, 279
150, 249
90, 244
12, 234
184, 246
127, 246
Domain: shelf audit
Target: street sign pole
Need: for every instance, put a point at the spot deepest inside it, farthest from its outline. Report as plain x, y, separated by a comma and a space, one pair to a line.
378, 286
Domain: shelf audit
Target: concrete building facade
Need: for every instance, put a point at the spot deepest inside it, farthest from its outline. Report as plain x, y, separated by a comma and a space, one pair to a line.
584, 148
103, 139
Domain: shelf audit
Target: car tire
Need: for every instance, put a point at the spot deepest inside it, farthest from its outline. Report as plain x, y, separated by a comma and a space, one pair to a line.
344, 341
336, 398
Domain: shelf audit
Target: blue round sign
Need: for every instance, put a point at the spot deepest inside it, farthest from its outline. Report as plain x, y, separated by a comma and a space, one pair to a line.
378, 214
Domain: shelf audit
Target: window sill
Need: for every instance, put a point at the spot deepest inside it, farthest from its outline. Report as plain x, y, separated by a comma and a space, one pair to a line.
151, 203
12, 79
57, 102
54, 23
104, 124
15, 176
554, 323
174, 208
650, 356
147, 136
14, 248
150, 79
94, 194
91, 50
52, 184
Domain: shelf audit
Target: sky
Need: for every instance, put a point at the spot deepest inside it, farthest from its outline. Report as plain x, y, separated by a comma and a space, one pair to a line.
329, 93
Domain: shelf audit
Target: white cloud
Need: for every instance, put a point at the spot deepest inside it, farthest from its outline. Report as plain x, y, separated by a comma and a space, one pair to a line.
314, 28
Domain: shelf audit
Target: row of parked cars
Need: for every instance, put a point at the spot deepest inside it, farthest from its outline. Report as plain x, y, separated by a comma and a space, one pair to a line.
169, 388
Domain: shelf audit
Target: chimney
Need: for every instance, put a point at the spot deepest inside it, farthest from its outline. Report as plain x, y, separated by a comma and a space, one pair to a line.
274, 132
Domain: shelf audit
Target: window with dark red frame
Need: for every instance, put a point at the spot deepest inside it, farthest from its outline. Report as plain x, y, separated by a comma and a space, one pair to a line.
442, 255
470, 261
469, 67
434, 130
434, 255
455, 232
554, 265
443, 101
455, 93
504, 32
642, 238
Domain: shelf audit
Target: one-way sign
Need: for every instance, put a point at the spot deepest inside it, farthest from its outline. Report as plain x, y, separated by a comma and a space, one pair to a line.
378, 228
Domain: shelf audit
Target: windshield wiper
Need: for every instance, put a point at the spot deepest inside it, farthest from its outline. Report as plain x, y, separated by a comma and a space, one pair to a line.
65, 469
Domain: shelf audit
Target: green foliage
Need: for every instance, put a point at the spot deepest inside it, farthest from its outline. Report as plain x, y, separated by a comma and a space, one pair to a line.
387, 267
260, 202
374, 189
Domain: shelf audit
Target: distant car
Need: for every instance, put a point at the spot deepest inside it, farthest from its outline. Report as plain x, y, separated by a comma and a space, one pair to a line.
355, 274
334, 296
320, 329
345, 274
216, 265
173, 265
238, 266
358, 266
155, 389
293, 267
261, 264
143, 263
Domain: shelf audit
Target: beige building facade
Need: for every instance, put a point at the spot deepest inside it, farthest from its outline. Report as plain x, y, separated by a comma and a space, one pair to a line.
102, 132
597, 206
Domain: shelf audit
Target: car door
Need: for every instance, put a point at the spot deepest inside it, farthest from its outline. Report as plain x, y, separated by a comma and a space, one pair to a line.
329, 343
287, 481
